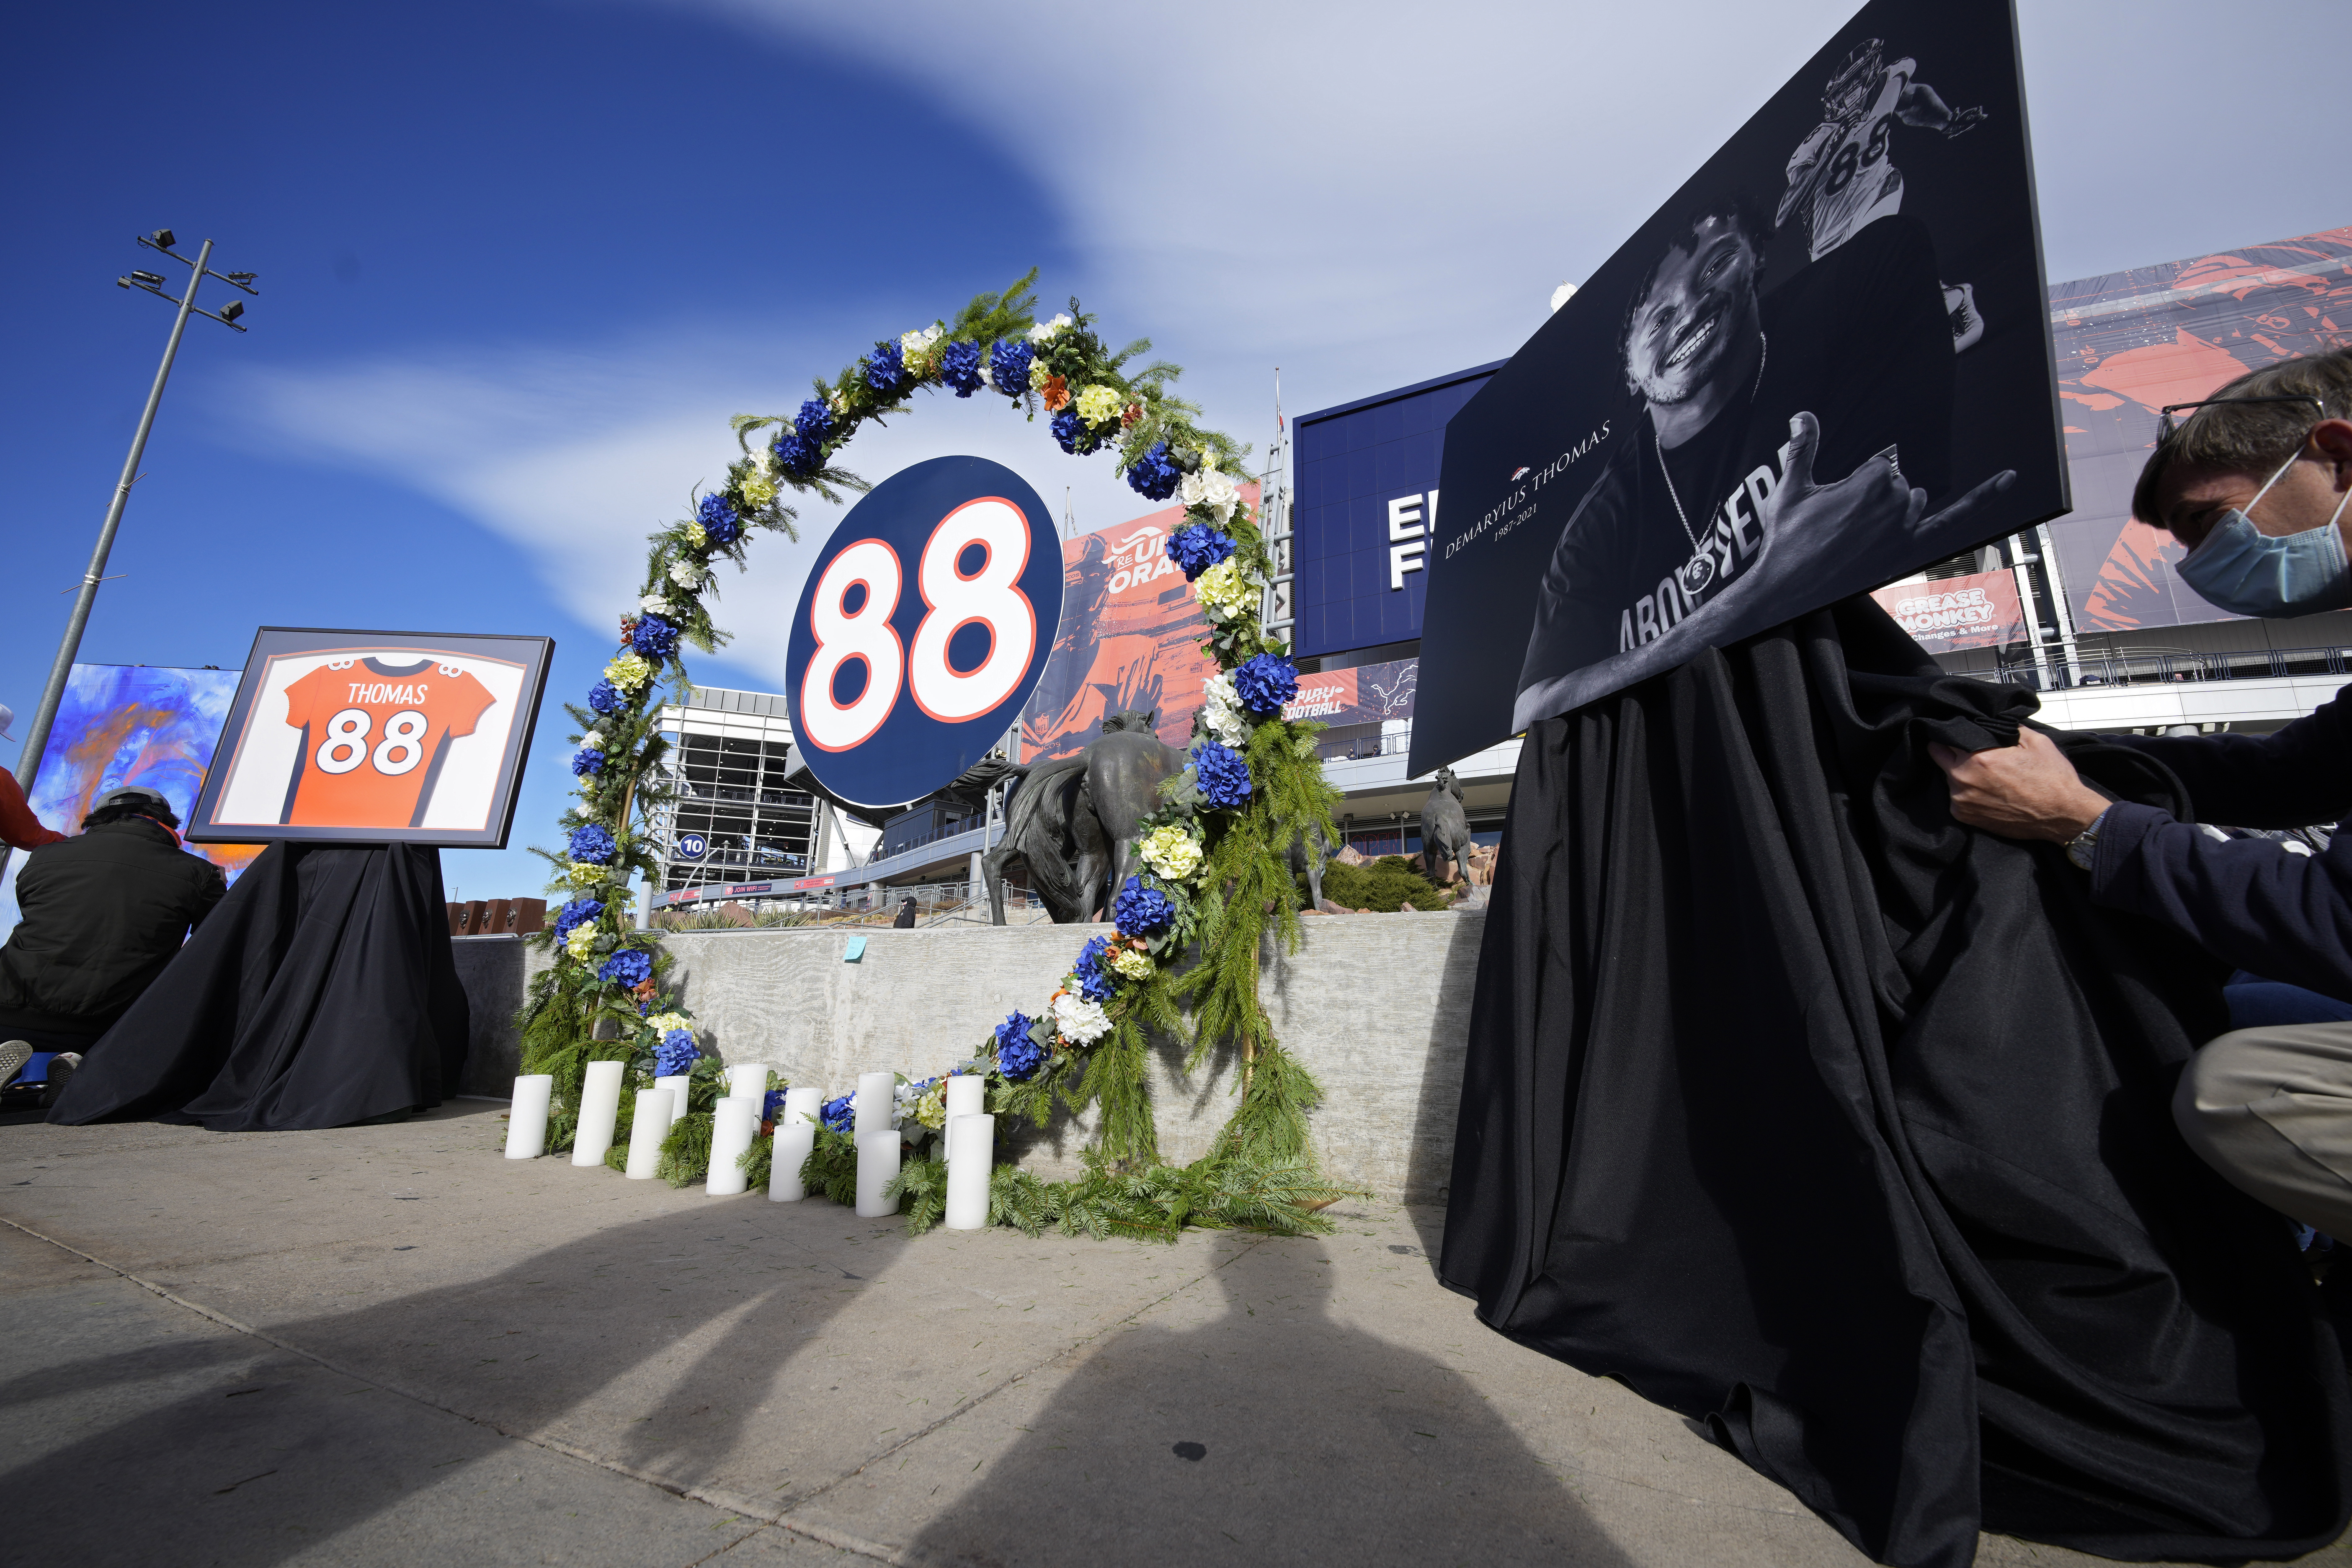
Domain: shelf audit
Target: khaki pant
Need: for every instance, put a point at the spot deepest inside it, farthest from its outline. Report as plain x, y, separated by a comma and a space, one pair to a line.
2271, 1111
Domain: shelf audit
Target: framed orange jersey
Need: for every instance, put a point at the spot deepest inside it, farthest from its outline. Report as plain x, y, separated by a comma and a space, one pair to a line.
374, 738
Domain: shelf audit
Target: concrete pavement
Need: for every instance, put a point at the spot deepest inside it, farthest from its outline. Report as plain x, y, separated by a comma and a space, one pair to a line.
389, 1344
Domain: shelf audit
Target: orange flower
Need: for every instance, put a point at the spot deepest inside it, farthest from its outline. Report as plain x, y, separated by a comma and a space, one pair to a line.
1128, 420
1057, 393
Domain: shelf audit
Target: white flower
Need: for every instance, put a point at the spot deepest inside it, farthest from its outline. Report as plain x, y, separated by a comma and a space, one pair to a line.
1044, 331
1079, 1021
1225, 586
987, 376
1213, 489
1222, 711
1171, 852
655, 605
685, 575
593, 740
662, 1023
914, 345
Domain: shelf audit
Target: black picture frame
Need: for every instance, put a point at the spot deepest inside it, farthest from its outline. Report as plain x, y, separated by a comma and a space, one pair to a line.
253, 759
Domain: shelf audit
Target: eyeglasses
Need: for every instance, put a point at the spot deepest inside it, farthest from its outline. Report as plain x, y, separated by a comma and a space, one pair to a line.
2167, 427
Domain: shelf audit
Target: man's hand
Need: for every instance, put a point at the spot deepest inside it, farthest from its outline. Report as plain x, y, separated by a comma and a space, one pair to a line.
2026, 790
1815, 533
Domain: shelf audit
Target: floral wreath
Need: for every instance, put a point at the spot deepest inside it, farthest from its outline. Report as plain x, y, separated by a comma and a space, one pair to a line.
1215, 852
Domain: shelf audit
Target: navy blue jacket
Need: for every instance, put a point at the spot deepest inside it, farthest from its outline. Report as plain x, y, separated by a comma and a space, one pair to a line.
2269, 910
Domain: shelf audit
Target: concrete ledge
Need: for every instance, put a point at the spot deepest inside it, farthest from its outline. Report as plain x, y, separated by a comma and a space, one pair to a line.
1376, 1007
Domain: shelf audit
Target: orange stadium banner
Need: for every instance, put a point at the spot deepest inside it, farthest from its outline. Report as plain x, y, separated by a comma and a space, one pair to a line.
1129, 641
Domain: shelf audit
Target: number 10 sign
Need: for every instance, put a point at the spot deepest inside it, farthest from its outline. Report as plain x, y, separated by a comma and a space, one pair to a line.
926, 622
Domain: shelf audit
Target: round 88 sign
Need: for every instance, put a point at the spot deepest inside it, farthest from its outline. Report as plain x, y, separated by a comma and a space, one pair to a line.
925, 622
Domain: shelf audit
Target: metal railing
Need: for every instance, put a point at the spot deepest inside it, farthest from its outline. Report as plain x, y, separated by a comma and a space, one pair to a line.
2158, 667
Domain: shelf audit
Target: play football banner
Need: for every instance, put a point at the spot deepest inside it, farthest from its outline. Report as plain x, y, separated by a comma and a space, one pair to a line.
1823, 364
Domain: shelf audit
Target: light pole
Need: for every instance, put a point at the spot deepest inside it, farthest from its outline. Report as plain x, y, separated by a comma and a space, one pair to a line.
37, 738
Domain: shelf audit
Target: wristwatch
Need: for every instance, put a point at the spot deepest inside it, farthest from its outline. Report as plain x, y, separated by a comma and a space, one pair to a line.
2084, 848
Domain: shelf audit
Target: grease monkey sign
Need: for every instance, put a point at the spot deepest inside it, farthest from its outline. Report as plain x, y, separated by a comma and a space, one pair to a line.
925, 624
374, 738
1823, 363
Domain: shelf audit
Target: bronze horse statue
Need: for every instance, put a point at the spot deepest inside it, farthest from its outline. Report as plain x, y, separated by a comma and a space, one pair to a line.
1073, 821
1444, 829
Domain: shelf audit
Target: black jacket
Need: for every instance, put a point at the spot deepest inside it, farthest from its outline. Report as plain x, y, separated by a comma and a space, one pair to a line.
103, 913
2275, 911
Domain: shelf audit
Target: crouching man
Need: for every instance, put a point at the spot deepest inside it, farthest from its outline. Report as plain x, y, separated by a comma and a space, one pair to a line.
2256, 483
103, 912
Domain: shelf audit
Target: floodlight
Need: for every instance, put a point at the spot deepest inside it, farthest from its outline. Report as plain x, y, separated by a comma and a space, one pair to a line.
148, 279
162, 239
240, 278
232, 311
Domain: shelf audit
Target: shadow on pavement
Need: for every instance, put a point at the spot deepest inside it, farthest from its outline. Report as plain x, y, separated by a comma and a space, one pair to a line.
587, 1342
1273, 1432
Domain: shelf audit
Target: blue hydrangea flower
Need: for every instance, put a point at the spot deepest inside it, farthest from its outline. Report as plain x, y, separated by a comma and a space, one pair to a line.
654, 636
719, 520
606, 698
578, 912
592, 844
1196, 547
675, 1054
815, 421
772, 1106
959, 368
630, 967
885, 369
1008, 366
1071, 432
1224, 778
839, 1115
1094, 983
587, 761
796, 454
1018, 1057
1267, 682
1139, 910
1155, 475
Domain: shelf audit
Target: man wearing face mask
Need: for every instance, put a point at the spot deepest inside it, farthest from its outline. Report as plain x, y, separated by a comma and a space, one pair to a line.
2258, 483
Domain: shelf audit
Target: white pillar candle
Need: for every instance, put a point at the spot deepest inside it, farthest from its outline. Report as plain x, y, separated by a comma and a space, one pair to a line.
732, 1122
676, 1084
527, 1116
967, 1096
877, 1102
877, 1161
600, 1108
749, 1082
649, 1125
795, 1136
972, 1151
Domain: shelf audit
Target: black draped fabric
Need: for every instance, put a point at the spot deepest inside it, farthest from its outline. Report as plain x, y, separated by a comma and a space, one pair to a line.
1802, 1109
321, 992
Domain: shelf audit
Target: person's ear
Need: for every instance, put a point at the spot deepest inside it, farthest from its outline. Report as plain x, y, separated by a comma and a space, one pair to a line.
2332, 439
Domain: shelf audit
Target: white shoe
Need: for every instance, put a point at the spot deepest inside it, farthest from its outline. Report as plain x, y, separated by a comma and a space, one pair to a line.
14, 1055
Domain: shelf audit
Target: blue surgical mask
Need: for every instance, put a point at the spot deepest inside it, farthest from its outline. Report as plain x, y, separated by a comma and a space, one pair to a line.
2239, 568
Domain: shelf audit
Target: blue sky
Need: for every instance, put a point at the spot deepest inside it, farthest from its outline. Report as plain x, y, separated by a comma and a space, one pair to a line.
520, 261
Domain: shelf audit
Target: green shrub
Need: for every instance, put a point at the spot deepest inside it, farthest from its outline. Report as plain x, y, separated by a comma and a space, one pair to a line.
1383, 886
